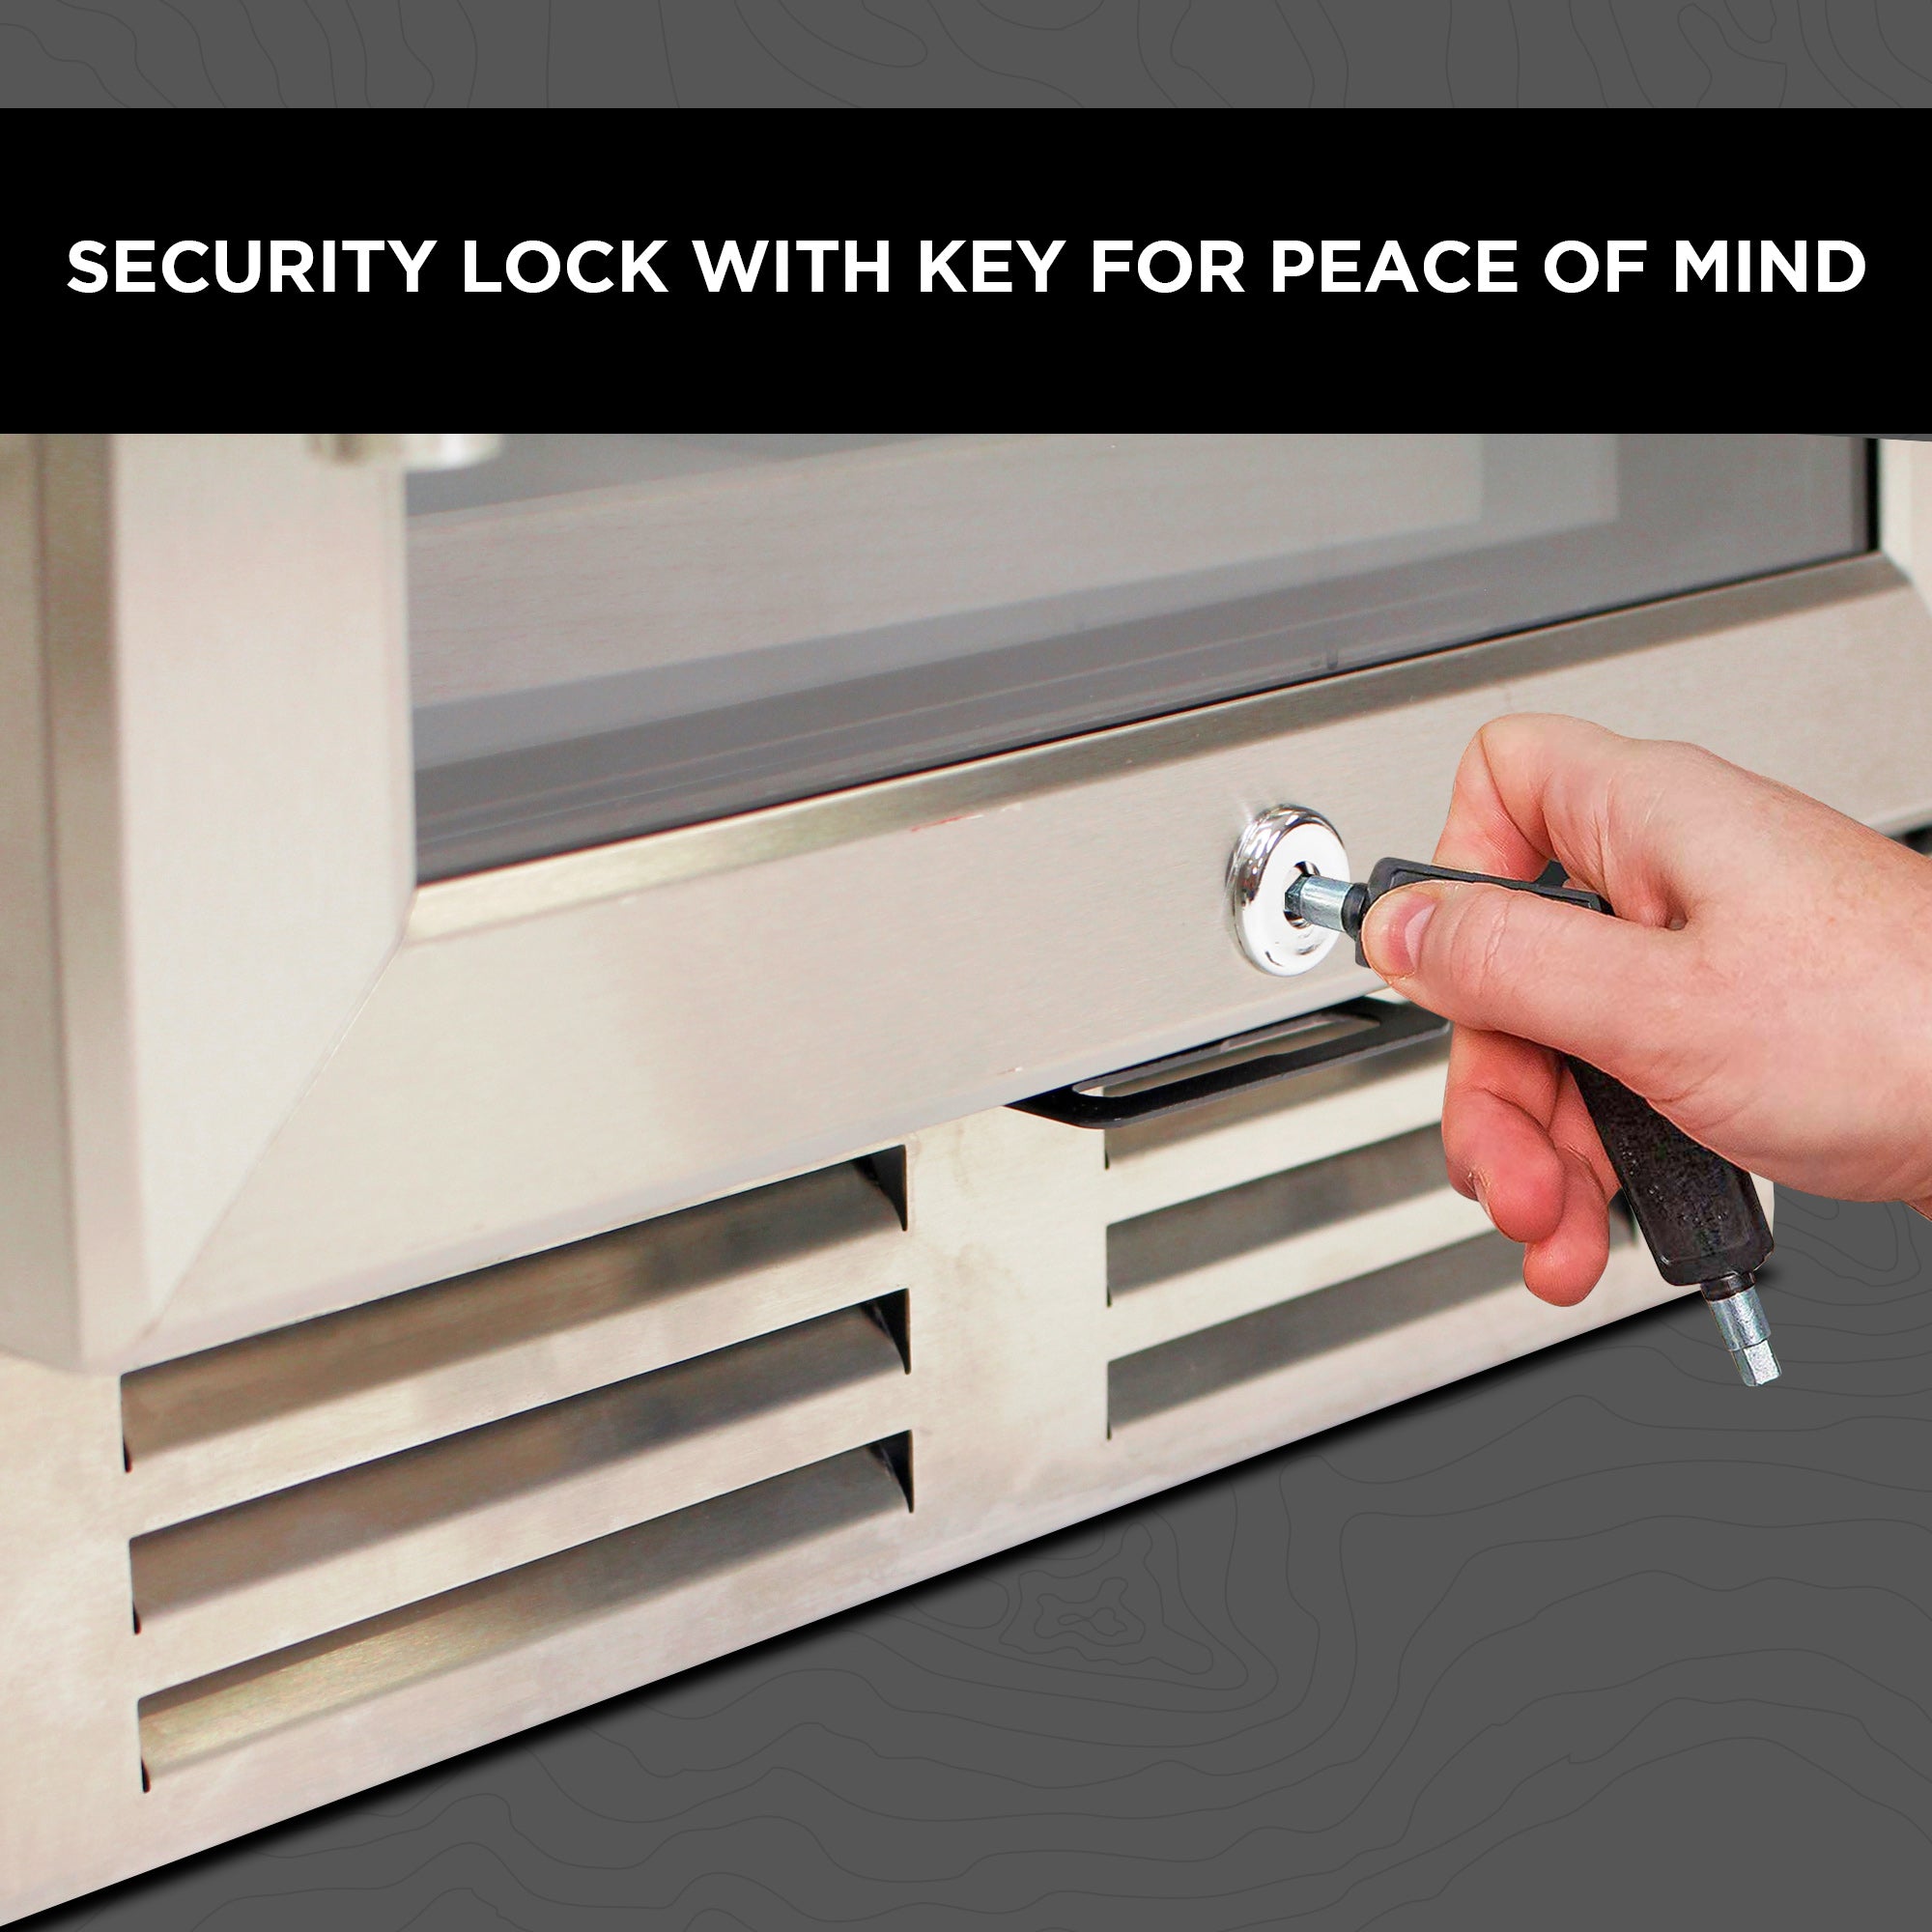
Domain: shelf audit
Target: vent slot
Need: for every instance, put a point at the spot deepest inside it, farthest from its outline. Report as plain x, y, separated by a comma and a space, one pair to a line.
1219, 1228
1327, 1028
281, 1567
1321, 1084
523, 1606
885, 1170
1209, 1360
260, 1414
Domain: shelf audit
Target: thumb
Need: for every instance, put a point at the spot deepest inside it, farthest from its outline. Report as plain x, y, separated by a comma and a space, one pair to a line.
1482, 956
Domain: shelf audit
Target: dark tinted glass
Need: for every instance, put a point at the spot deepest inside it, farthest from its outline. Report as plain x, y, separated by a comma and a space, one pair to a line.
615, 633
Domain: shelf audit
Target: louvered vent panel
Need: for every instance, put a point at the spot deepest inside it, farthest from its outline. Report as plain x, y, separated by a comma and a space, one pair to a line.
1227, 1211
1284, 1124
1304, 1220
212, 1429
313, 1559
534, 1603
1276, 1339
313, 1491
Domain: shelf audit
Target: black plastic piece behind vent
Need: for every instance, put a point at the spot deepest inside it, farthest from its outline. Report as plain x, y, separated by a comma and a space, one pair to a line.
1353, 1030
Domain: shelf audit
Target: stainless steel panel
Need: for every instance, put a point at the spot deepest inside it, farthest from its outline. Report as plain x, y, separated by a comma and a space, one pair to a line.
1213, 1362
934, 797
284, 1567
572, 1045
513, 1607
248, 1713
1152, 1248
212, 1429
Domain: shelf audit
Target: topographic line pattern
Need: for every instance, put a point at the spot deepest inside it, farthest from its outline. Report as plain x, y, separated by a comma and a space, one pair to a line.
1599, 1640
982, 53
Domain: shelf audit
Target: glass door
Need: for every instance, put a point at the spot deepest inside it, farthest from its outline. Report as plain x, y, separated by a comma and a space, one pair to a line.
614, 634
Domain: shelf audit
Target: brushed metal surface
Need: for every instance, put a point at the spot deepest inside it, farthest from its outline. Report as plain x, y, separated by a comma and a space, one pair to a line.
332, 1551
1006, 1269
306, 1646
601, 1085
225, 829
1539, 1649
1234, 1221
212, 1429
562, 1048
36, 1199
576, 1044
1213, 1361
516, 1607
1297, 1265
1179, 1157
931, 798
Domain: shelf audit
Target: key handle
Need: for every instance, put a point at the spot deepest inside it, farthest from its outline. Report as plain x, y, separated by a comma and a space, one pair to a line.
1700, 1213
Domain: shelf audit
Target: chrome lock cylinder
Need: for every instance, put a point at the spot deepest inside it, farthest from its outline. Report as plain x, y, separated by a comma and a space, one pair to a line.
1282, 852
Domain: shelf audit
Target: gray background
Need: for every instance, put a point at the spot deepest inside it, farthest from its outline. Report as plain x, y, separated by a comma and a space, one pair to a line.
931, 53
1600, 1639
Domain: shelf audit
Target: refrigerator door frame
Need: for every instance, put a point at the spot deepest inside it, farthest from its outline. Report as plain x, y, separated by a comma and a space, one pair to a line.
286, 1079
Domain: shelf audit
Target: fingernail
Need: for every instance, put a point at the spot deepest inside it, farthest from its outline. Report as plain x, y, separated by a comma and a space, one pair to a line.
1481, 1189
1393, 935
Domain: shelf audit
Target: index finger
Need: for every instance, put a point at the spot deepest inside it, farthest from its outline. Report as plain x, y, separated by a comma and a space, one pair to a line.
1535, 786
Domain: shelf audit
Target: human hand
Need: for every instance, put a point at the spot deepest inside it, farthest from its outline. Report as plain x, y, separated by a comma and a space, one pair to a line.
1767, 982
